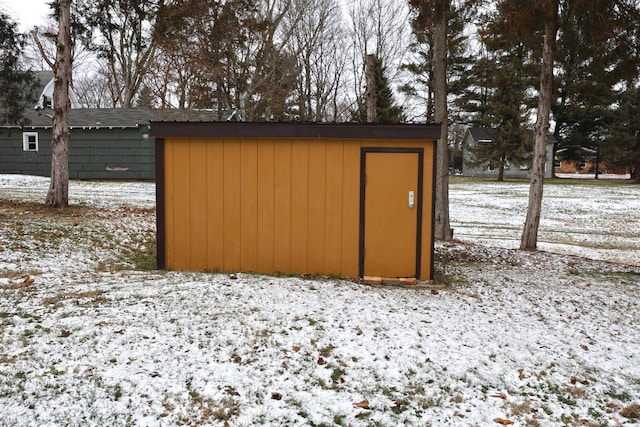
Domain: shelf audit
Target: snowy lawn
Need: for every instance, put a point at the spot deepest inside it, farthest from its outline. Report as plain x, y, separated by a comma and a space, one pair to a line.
91, 335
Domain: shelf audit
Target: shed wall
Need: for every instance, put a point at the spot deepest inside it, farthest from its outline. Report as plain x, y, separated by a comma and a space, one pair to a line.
272, 205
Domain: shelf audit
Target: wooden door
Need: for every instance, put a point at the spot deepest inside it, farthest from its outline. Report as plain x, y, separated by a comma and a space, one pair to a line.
391, 212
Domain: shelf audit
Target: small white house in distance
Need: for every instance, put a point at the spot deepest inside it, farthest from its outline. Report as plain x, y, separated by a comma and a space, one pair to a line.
482, 135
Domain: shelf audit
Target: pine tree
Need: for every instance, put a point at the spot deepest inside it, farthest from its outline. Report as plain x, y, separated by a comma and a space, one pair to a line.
623, 148
17, 86
498, 95
387, 111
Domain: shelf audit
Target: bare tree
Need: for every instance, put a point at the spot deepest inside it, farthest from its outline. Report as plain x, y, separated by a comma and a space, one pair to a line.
124, 42
58, 195
378, 27
319, 46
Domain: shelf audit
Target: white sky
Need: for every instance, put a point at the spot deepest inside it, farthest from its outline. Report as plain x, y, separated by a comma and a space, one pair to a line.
26, 13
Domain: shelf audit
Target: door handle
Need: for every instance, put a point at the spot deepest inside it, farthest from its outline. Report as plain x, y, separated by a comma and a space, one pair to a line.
412, 200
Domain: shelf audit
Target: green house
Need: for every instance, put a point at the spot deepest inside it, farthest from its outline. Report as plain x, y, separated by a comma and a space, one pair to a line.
111, 143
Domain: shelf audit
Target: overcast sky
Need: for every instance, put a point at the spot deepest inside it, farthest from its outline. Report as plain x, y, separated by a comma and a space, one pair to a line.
26, 13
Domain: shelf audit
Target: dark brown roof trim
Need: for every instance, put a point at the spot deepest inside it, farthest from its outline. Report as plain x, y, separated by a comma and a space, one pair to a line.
429, 131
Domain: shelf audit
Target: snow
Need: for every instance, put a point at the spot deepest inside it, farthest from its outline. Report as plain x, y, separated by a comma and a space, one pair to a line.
539, 338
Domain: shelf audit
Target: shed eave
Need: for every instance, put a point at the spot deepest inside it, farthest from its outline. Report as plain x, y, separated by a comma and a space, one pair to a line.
296, 130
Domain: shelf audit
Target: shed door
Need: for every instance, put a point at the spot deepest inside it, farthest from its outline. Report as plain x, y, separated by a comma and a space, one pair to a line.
391, 212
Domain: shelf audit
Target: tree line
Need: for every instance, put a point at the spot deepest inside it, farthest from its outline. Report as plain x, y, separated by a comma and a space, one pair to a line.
507, 64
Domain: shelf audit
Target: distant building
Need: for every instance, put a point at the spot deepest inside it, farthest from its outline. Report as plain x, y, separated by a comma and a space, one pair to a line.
483, 135
105, 143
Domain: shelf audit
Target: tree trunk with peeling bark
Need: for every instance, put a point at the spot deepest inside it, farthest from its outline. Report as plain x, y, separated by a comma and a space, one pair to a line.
58, 195
529, 239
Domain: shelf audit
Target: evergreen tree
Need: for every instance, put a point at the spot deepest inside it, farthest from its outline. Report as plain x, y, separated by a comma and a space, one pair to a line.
387, 111
623, 148
498, 95
586, 82
17, 86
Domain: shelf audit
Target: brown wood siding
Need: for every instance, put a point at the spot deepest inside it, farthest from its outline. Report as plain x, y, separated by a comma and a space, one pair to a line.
272, 204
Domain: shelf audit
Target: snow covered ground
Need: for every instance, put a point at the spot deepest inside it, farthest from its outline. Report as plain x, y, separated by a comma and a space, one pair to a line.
88, 336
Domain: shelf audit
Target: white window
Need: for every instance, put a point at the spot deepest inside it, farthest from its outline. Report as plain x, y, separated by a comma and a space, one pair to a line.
30, 141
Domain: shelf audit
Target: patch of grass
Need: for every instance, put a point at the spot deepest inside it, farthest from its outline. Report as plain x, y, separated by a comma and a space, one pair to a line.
631, 412
142, 254
91, 297
624, 396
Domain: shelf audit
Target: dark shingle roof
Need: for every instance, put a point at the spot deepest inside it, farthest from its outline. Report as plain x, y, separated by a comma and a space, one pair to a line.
122, 117
92, 117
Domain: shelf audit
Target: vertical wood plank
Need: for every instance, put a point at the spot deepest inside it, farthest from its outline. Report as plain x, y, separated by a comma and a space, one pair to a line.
265, 213
351, 208
249, 205
231, 203
334, 207
215, 206
182, 202
197, 171
282, 206
317, 197
299, 206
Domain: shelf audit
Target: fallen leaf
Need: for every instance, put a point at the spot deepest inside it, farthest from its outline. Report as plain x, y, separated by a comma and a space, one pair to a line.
119, 331
499, 395
358, 330
434, 292
64, 333
154, 374
578, 380
584, 347
275, 395
233, 276
362, 405
503, 421
296, 348
321, 361
28, 280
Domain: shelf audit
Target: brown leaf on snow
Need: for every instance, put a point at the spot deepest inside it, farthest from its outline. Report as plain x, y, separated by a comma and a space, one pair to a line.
362, 405
358, 330
321, 361
578, 380
276, 395
28, 281
296, 348
503, 421
584, 347
64, 333
499, 395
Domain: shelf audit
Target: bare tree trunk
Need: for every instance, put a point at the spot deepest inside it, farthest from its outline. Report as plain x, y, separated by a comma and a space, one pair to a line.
442, 224
541, 133
370, 69
58, 195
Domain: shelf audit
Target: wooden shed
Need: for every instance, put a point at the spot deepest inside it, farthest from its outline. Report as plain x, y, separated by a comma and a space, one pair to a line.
349, 200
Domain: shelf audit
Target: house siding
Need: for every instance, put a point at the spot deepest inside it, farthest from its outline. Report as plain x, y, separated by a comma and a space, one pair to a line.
101, 153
